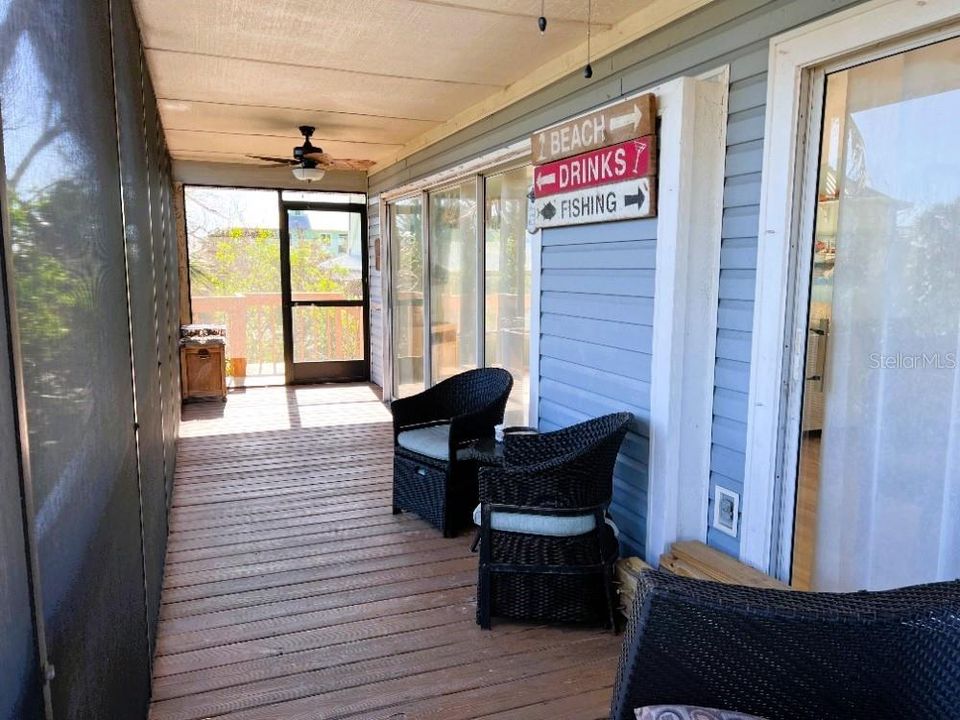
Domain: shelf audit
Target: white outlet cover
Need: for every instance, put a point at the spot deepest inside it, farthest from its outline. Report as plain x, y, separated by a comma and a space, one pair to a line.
726, 511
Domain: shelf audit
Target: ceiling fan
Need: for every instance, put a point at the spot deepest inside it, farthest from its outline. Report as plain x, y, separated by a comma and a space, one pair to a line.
310, 163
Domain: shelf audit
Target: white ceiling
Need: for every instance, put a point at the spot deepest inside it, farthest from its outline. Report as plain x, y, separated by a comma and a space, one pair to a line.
236, 77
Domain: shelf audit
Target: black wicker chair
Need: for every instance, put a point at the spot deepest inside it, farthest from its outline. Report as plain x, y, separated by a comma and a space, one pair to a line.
786, 655
433, 483
550, 577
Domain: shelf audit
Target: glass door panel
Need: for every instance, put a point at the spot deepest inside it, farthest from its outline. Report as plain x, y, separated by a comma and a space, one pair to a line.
406, 259
324, 265
326, 256
508, 259
453, 280
878, 492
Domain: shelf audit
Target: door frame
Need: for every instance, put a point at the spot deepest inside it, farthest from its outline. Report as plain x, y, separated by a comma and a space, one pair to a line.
785, 218
331, 370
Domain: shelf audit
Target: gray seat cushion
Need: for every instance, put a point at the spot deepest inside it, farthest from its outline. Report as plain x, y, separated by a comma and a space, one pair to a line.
432, 441
533, 524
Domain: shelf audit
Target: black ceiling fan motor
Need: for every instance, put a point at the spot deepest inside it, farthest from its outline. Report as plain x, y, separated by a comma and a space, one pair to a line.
300, 150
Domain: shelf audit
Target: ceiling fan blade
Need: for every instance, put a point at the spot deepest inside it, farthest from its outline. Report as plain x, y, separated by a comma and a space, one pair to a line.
275, 160
331, 163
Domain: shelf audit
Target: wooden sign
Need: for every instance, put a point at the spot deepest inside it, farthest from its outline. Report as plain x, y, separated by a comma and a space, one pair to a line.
609, 126
626, 200
630, 159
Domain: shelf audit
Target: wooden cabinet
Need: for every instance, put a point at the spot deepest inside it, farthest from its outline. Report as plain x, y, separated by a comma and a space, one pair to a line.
203, 371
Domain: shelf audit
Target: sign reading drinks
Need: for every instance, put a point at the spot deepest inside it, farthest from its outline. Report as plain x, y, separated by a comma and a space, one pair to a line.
625, 200
630, 159
609, 126
599, 167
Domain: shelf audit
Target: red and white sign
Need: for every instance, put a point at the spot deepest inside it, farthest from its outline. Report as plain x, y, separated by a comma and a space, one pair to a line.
625, 161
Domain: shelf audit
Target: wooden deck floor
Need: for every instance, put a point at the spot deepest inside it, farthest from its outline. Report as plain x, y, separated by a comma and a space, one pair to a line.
291, 591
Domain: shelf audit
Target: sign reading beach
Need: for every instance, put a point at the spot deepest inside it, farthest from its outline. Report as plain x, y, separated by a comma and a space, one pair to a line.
607, 126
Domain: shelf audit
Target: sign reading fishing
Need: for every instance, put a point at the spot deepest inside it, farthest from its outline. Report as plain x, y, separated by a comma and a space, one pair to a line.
626, 200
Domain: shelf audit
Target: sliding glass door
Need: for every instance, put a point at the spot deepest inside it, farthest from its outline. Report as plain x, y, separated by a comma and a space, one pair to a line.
468, 278
407, 283
454, 251
508, 260
878, 477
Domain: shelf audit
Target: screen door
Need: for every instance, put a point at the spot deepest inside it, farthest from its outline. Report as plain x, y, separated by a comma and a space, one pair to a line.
324, 278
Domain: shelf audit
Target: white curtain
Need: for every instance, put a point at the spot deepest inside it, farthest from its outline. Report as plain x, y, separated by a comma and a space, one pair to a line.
890, 456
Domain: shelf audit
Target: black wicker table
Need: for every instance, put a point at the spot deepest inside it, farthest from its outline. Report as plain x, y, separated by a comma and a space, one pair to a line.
487, 451
490, 451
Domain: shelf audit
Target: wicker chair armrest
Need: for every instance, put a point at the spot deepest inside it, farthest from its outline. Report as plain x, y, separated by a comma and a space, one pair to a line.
483, 458
417, 410
474, 426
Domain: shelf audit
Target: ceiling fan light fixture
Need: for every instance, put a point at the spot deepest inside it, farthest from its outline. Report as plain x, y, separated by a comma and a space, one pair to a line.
308, 174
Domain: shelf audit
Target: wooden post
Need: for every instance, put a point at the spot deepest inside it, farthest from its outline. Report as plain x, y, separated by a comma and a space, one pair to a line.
180, 222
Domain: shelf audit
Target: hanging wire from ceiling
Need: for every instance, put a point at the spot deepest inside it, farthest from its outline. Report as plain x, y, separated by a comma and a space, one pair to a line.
542, 20
588, 70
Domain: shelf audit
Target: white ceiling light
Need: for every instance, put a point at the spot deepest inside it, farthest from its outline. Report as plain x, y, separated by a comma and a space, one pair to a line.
308, 174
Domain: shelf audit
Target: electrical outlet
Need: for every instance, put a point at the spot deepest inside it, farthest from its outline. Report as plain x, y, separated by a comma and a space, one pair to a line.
726, 511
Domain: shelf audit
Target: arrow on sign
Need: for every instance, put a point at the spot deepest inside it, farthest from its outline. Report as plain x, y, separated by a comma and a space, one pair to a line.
546, 179
637, 199
622, 121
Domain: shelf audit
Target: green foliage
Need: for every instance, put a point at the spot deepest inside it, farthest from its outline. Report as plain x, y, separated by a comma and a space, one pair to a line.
235, 261
243, 262
408, 235
48, 293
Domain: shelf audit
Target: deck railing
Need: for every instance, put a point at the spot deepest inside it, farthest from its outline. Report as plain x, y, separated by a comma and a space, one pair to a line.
255, 330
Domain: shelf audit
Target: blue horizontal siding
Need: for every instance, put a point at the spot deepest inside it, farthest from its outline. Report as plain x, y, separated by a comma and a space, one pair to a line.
739, 254
595, 346
597, 281
744, 159
732, 375
729, 433
637, 254
735, 314
638, 310
600, 332
738, 262
741, 190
